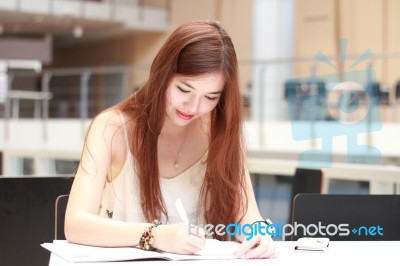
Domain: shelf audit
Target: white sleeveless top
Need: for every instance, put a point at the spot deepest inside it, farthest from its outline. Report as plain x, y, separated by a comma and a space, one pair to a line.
121, 197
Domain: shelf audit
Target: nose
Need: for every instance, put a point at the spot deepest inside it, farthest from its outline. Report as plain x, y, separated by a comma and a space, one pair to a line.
192, 105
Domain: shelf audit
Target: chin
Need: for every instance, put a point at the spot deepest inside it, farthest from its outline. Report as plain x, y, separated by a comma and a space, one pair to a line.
183, 123
177, 121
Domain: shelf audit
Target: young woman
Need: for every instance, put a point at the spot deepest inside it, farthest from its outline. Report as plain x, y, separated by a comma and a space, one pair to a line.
178, 137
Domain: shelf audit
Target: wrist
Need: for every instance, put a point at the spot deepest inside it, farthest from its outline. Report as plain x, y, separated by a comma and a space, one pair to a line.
147, 238
269, 224
158, 237
266, 221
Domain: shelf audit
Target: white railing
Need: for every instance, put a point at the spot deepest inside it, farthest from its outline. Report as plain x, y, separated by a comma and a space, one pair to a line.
133, 14
65, 138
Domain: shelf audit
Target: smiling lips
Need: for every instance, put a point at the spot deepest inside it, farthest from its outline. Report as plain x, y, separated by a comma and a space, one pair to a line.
184, 116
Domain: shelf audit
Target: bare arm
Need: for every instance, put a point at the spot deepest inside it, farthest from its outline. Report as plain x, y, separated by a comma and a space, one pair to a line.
252, 213
105, 149
258, 246
82, 223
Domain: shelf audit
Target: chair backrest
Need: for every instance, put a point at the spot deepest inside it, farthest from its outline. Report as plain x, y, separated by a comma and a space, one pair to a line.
356, 217
1, 163
59, 216
27, 217
290, 88
306, 181
398, 90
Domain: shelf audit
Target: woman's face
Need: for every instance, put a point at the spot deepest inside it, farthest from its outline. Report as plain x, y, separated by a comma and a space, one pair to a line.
189, 98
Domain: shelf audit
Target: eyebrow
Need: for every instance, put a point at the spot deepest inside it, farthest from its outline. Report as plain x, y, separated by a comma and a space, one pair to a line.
190, 86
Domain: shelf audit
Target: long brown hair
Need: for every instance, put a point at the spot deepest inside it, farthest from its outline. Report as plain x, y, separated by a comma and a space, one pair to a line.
193, 49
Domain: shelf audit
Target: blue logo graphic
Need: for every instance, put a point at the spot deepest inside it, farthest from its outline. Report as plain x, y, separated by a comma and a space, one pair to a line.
285, 230
343, 103
368, 231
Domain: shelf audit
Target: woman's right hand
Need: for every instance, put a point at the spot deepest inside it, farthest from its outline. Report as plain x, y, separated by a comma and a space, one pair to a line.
179, 238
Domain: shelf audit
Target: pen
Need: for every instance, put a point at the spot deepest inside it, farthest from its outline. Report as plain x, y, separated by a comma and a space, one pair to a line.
183, 215
181, 210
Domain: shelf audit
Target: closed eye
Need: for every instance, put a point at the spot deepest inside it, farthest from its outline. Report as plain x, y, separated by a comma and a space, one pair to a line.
182, 90
211, 98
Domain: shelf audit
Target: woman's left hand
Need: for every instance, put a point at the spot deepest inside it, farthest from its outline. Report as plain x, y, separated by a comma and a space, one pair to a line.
258, 247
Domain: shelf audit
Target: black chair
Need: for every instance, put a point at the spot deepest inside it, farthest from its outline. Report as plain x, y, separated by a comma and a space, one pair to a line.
398, 90
306, 100
59, 216
27, 217
291, 86
306, 181
347, 217
1, 163
374, 92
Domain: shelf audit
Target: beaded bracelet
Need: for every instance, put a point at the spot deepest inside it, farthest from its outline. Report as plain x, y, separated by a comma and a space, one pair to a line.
146, 240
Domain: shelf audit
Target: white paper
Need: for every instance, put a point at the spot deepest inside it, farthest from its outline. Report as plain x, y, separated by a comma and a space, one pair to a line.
214, 249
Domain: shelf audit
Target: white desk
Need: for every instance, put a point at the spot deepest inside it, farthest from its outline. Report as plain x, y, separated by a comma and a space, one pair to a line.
339, 253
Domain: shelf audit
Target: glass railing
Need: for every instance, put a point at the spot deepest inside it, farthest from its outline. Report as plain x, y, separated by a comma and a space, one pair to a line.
273, 90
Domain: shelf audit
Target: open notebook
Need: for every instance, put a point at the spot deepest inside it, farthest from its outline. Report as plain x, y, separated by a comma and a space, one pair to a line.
213, 250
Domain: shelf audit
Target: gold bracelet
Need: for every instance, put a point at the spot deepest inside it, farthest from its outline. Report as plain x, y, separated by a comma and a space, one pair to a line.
146, 240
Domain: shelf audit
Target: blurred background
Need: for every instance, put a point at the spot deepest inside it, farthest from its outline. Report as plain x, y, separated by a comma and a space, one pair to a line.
320, 81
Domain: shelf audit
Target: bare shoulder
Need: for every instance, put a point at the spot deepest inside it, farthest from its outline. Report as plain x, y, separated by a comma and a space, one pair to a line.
108, 122
108, 119
106, 127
